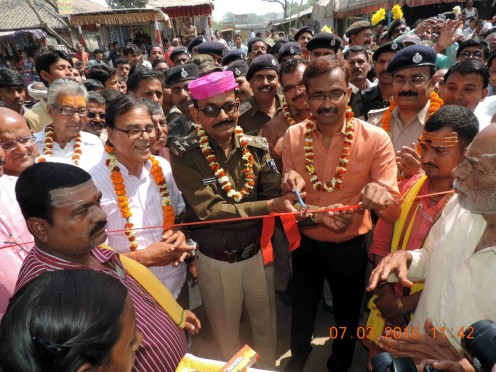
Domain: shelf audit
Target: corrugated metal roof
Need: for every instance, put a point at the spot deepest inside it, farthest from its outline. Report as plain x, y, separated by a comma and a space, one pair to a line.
17, 15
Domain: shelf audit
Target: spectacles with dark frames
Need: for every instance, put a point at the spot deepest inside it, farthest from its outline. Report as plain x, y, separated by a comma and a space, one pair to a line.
92, 115
335, 95
214, 111
417, 81
476, 54
69, 111
11, 145
136, 133
292, 88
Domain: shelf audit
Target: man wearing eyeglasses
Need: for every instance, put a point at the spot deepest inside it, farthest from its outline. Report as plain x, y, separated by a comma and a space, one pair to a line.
473, 49
343, 161
213, 167
412, 70
17, 152
64, 139
94, 121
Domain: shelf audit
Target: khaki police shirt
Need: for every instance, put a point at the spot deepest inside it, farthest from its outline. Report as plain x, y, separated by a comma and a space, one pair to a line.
251, 119
205, 200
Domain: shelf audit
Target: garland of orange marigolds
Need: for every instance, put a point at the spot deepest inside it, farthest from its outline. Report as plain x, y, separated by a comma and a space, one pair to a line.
220, 173
123, 201
47, 149
337, 180
435, 103
287, 115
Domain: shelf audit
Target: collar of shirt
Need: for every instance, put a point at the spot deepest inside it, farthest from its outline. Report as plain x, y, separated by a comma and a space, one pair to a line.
421, 115
256, 108
145, 172
101, 255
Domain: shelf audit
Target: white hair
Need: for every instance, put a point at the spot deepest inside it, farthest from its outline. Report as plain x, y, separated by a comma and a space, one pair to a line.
66, 87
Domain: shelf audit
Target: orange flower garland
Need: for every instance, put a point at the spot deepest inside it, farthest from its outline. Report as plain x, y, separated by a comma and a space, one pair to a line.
220, 173
337, 180
123, 201
47, 150
435, 103
287, 115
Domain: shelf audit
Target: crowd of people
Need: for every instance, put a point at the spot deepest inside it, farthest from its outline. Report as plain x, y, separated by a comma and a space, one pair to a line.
257, 172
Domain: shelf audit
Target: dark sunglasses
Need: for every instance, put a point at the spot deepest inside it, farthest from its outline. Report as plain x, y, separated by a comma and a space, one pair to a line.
214, 111
92, 115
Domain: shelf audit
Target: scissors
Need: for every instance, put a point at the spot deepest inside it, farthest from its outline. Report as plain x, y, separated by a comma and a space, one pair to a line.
304, 207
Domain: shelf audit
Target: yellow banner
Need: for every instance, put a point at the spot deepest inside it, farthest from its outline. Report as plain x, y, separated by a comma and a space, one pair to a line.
65, 7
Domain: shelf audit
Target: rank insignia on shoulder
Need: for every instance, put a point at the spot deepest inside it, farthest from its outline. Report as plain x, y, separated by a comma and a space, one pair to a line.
257, 141
245, 107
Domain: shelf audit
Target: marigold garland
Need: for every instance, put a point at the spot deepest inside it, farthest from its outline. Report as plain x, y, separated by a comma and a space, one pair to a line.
219, 172
47, 150
287, 115
337, 180
123, 201
435, 103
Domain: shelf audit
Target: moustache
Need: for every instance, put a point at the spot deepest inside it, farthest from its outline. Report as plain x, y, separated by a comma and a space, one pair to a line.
429, 164
332, 110
409, 93
225, 122
301, 95
98, 226
356, 70
96, 124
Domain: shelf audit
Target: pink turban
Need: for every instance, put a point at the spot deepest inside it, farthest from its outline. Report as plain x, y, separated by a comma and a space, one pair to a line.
212, 85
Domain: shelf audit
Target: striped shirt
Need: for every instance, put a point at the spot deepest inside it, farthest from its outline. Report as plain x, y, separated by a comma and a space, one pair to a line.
164, 343
146, 207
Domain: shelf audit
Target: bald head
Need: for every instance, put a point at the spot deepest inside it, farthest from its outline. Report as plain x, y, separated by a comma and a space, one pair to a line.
21, 151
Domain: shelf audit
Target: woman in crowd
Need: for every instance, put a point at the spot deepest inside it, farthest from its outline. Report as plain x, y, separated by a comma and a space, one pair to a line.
69, 320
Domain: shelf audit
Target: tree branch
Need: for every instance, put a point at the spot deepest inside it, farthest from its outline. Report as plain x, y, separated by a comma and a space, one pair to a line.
59, 38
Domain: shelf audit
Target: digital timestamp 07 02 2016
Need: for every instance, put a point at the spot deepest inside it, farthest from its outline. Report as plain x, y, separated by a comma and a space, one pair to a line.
398, 333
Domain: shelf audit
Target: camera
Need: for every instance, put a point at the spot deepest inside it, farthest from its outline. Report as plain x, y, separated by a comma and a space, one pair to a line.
479, 344
385, 362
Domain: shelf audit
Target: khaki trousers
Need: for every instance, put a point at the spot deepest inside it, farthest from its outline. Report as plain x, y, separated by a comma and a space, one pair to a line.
224, 288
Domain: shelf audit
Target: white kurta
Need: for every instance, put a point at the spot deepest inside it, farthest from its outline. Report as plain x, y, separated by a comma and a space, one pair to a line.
459, 284
91, 150
146, 209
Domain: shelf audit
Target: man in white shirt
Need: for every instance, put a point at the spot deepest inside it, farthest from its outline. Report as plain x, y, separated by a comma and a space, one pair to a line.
63, 140
457, 263
238, 45
131, 135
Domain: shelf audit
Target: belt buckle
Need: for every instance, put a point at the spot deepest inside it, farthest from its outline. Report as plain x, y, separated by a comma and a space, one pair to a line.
231, 256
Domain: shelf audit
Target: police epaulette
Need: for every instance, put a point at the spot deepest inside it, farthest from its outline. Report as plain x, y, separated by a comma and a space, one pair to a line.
185, 144
257, 141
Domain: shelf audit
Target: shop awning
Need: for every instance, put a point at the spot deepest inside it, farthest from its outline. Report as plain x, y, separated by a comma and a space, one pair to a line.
118, 17
183, 8
11, 36
352, 8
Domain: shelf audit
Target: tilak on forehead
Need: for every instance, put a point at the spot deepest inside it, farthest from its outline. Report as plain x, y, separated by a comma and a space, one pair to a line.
66, 196
448, 140
71, 101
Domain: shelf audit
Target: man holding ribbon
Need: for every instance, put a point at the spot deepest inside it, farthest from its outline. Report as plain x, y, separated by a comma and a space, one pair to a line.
224, 174
344, 161
444, 140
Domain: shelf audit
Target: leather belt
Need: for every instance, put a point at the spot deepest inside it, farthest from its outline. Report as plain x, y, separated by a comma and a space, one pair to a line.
231, 256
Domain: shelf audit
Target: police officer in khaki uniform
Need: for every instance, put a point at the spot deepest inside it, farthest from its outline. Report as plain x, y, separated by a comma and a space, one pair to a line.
229, 260
265, 102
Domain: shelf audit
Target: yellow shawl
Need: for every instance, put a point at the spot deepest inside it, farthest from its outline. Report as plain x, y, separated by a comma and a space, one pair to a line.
154, 287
